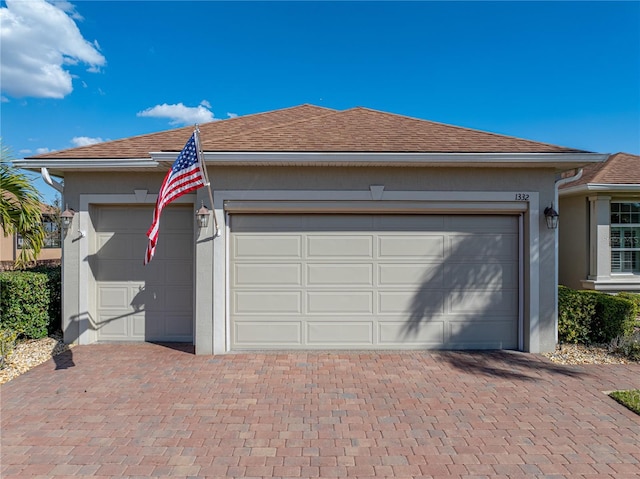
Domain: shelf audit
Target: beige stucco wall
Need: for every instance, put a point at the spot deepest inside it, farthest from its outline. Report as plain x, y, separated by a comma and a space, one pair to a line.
573, 241
8, 252
324, 178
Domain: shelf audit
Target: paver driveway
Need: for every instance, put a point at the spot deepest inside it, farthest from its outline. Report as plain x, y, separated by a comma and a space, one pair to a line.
150, 410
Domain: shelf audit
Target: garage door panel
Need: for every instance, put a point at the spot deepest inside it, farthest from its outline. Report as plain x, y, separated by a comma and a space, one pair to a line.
264, 274
479, 334
401, 275
175, 272
113, 326
411, 304
421, 333
144, 328
175, 220
114, 246
491, 301
267, 302
349, 274
272, 246
178, 299
409, 223
483, 245
272, 334
347, 333
132, 300
110, 270
179, 326
345, 246
490, 276
368, 281
337, 224
415, 246
339, 302
113, 297
174, 247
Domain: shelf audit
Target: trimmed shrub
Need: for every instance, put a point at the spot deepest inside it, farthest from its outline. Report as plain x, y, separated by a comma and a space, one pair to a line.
54, 283
633, 297
24, 303
593, 317
7, 343
615, 316
575, 311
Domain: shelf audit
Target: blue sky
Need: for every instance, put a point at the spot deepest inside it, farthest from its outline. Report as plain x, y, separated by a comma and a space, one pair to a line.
566, 73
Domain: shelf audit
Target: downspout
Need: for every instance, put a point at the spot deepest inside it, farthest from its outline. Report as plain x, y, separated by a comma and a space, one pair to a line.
51, 182
556, 201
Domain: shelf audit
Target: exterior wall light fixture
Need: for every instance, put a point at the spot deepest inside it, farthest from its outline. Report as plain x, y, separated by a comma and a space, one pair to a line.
67, 216
203, 216
551, 217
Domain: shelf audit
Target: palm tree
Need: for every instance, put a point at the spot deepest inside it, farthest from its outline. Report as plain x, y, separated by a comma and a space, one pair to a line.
20, 209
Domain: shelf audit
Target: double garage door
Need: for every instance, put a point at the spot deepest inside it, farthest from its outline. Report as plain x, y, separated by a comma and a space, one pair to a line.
134, 302
315, 281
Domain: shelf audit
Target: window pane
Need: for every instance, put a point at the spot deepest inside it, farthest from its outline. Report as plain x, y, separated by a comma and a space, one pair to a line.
615, 218
615, 207
625, 248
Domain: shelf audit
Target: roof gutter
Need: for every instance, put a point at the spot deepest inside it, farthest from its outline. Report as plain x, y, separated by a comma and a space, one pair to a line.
600, 187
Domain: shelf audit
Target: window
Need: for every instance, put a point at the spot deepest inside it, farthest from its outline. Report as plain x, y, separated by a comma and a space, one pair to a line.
625, 237
52, 237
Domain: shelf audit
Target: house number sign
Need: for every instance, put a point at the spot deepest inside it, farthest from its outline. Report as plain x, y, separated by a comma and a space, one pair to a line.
522, 196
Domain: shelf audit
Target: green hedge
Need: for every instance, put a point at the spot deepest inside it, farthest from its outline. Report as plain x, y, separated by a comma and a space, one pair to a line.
593, 317
24, 303
54, 283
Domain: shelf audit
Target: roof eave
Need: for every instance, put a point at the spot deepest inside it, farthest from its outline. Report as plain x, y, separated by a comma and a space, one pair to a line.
558, 161
58, 166
633, 188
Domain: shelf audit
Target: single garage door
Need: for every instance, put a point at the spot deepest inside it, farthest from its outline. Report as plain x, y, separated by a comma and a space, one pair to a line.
135, 302
319, 281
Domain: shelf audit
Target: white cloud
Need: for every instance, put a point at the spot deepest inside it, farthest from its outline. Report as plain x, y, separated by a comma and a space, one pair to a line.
25, 151
85, 140
180, 114
4, 99
41, 151
38, 40
232, 115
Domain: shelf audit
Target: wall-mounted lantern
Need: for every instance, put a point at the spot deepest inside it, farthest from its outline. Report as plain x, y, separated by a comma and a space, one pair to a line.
551, 217
67, 216
203, 216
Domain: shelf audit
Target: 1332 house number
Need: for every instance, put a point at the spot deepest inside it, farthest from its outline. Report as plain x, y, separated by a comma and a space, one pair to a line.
522, 196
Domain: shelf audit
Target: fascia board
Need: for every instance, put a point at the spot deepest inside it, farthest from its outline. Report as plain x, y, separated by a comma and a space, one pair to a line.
552, 160
85, 164
601, 188
559, 160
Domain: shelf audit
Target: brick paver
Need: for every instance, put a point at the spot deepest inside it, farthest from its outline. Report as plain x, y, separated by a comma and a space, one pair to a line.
148, 410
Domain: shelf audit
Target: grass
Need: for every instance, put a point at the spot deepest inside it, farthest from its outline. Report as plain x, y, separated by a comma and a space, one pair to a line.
629, 399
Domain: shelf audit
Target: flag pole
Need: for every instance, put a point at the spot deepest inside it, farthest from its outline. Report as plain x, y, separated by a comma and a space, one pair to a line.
203, 169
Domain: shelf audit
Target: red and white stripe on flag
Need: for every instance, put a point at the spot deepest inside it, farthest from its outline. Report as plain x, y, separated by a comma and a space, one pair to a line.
185, 176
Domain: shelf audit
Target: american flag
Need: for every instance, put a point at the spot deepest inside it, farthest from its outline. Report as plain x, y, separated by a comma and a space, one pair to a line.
185, 176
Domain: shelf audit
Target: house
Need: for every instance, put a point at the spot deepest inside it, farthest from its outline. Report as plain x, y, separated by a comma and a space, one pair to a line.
51, 252
353, 229
599, 241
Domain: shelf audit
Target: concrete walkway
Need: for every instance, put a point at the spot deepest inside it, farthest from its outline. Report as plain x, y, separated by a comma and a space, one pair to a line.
148, 410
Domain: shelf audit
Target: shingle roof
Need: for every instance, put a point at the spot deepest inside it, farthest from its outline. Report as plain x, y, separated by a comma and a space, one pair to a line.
310, 128
621, 168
